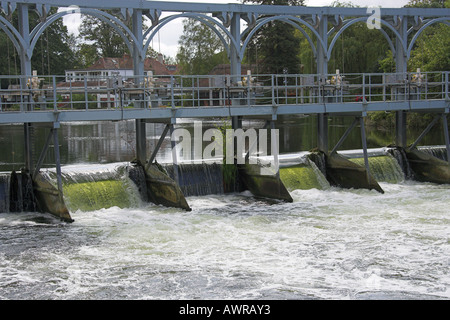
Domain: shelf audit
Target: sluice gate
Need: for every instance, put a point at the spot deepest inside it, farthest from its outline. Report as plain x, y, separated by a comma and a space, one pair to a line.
128, 185
49, 100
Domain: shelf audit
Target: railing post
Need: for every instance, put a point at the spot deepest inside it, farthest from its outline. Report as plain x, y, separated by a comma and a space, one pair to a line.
55, 104
273, 90
86, 93
248, 87
446, 86
364, 88
172, 83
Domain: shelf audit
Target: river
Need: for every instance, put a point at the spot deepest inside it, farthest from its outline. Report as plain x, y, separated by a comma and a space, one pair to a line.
329, 243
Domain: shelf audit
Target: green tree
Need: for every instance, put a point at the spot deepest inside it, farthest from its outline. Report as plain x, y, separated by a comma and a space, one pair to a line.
103, 40
432, 49
52, 55
358, 49
54, 52
99, 39
200, 49
276, 47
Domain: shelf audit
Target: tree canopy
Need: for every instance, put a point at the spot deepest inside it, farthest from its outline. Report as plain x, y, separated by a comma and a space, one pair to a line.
200, 49
52, 55
276, 47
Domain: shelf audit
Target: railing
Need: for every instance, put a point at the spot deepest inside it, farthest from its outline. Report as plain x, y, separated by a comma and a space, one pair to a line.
39, 93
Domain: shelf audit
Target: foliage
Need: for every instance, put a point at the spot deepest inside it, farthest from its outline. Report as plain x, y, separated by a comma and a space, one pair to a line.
432, 48
276, 47
99, 40
200, 49
53, 53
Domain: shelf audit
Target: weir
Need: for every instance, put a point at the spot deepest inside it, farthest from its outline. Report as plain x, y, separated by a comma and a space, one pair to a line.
93, 187
48, 101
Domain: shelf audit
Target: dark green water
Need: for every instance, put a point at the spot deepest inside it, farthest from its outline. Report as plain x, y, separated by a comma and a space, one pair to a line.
110, 142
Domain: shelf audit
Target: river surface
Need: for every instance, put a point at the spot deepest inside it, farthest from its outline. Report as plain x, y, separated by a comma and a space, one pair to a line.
328, 244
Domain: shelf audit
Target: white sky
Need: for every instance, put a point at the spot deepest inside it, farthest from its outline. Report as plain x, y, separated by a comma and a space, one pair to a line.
166, 41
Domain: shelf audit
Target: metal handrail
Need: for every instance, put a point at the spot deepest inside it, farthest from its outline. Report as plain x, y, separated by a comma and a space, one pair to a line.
36, 93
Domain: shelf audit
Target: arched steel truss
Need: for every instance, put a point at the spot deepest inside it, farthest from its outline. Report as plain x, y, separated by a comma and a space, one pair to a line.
394, 22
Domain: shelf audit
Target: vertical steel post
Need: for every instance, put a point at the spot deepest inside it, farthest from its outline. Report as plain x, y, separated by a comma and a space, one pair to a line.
235, 59
364, 145
274, 146
24, 30
235, 63
446, 85
138, 68
26, 72
174, 155
401, 68
322, 71
57, 158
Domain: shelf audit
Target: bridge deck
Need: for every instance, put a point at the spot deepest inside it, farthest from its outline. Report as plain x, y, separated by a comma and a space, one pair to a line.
46, 99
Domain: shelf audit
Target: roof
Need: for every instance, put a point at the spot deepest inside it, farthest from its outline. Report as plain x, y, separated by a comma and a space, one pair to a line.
126, 63
225, 69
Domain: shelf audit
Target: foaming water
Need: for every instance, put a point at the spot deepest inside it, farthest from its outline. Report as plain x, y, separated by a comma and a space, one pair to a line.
327, 244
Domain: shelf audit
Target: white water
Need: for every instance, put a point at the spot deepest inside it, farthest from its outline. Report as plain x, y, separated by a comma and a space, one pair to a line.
327, 244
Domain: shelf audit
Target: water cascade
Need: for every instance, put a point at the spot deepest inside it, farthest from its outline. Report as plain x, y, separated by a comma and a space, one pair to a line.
439, 152
21, 195
90, 188
384, 168
4, 192
399, 154
198, 179
303, 175
93, 187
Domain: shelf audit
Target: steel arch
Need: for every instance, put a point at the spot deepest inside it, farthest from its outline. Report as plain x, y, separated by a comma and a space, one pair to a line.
199, 17
13, 35
106, 17
426, 25
353, 21
287, 19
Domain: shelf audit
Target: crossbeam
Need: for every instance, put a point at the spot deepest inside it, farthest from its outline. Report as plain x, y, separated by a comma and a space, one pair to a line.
234, 8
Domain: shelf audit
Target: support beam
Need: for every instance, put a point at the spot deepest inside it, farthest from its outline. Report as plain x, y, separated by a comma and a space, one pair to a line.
322, 132
28, 145
141, 141
235, 59
322, 71
138, 68
427, 129
344, 136
235, 65
322, 61
43, 154
57, 161
138, 60
401, 62
24, 30
364, 145
275, 148
400, 129
26, 72
446, 136
174, 155
158, 146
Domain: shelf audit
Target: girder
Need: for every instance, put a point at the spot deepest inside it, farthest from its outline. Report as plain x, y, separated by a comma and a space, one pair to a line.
219, 18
